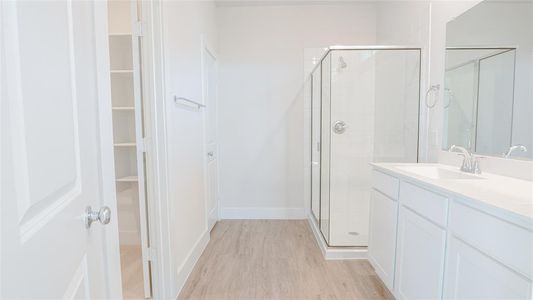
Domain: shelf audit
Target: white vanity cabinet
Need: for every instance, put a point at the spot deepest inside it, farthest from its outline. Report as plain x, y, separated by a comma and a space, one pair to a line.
421, 243
487, 257
471, 274
427, 243
419, 257
382, 229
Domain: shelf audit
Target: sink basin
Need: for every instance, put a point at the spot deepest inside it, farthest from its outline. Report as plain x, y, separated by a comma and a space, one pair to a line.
437, 173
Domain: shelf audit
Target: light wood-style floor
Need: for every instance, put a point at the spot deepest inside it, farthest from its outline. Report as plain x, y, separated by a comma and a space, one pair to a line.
132, 272
276, 259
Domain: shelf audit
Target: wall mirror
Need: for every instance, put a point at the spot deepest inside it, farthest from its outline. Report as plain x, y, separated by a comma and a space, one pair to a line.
488, 80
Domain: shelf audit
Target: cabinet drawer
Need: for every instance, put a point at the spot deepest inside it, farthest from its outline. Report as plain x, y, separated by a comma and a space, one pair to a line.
386, 184
430, 205
510, 244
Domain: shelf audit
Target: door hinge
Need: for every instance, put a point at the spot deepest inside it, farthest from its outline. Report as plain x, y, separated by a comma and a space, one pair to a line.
151, 254
143, 145
138, 29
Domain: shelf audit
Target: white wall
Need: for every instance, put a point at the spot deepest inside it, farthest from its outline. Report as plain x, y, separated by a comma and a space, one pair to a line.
422, 23
261, 112
402, 23
185, 23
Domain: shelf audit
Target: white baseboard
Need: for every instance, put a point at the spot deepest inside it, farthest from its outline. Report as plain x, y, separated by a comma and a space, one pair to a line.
263, 213
186, 268
335, 253
212, 219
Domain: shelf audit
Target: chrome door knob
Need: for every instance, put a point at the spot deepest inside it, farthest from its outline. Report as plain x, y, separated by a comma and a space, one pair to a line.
103, 215
339, 127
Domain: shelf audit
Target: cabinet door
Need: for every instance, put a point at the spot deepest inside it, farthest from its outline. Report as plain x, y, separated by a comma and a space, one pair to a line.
470, 274
382, 242
419, 257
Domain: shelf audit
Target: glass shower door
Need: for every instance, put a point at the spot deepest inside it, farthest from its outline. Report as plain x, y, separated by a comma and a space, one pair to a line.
325, 145
316, 88
370, 105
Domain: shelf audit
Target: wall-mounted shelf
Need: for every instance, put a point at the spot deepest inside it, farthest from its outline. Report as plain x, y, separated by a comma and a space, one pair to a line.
131, 178
121, 71
126, 108
120, 34
124, 144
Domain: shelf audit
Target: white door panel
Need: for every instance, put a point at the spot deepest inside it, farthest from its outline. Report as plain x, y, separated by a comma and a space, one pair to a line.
210, 94
50, 152
419, 257
382, 236
212, 203
471, 274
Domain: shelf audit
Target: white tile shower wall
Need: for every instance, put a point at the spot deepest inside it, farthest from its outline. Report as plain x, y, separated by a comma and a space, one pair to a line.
396, 105
261, 49
352, 101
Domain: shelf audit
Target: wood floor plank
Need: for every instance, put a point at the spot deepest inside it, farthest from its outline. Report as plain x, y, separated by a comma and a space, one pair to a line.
276, 259
132, 272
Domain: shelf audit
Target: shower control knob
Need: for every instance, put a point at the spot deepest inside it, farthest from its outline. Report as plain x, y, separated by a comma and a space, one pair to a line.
339, 127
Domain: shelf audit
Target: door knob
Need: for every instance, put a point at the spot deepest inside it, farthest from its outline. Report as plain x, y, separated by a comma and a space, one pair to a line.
103, 215
339, 127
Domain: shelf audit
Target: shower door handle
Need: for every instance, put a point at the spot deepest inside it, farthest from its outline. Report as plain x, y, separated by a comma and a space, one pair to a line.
339, 127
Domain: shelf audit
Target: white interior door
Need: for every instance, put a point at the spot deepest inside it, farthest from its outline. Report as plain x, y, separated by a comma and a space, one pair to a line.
54, 157
210, 90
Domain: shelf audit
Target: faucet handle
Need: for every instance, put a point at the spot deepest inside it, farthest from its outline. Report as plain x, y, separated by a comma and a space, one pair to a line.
475, 164
520, 147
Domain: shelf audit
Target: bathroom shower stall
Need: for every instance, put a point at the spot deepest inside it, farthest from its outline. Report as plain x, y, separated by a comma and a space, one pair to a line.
364, 108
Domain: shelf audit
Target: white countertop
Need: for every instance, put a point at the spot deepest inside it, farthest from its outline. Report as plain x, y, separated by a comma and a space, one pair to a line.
507, 195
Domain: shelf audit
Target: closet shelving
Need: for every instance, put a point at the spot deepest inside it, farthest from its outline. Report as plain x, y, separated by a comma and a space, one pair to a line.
123, 97
125, 144
123, 108
125, 74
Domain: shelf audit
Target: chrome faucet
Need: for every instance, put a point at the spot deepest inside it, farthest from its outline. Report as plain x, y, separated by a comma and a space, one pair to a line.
470, 162
513, 148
